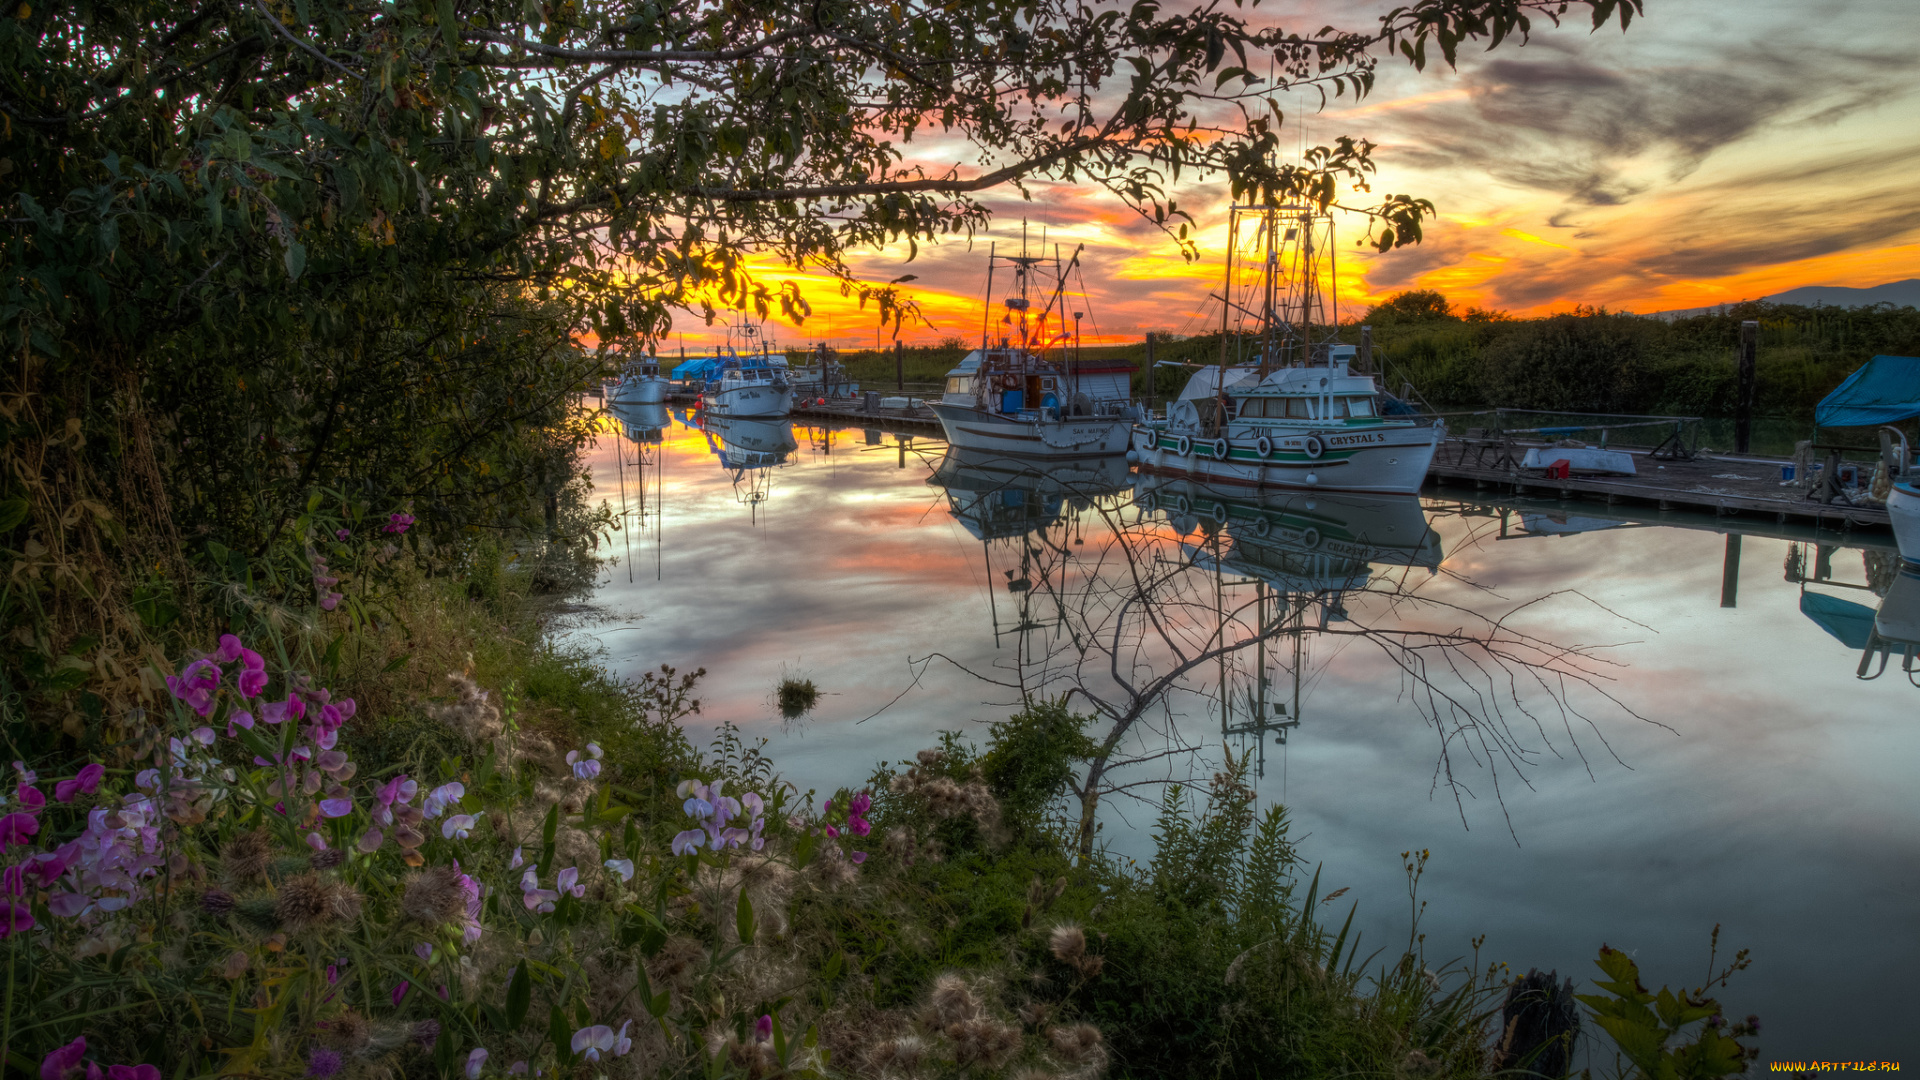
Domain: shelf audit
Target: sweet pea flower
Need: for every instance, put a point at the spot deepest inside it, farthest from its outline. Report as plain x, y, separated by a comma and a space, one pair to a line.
568, 882
279, 712
14, 918
478, 1059
859, 857
860, 804
518, 1068
398, 523
341, 535
370, 840
532, 895
16, 829
457, 826
86, 783
623, 867
622, 1044
517, 861
688, 842
61, 1060
239, 718
30, 798
763, 1028
441, 797
586, 766
400, 992
133, 1072
397, 790
592, 1041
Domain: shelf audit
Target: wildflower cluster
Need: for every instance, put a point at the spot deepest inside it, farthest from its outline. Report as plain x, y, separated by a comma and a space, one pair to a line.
713, 809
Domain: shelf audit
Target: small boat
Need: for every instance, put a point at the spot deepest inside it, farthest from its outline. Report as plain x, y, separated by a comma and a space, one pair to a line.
640, 383
642, 422
1296, 415
1903, 506
1009, 397
995, 496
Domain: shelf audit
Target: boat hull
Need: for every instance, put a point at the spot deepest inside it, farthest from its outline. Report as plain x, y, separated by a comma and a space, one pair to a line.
645, 390
971, 428
1903, 506
764, 401
1382, 460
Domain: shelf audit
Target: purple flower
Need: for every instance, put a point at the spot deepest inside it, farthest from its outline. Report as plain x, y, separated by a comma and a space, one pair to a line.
763, 1028
330, 601
86, 783
860, 804
475, 1062
585, 766
598, 1039
61, 1060
322, 1064
400, 992
316, 841
398, 523
568, 882
532, 895
14, 918
688, 842
341, 535
441, 797
252, 683
16, 828
859, 857
833, 833
858, 826
623, 867
130, 1072
457, 826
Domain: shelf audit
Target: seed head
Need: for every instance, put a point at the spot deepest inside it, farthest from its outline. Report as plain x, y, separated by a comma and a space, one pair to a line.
1069, 943
216, 902
1077, 1043
953, 1000
246, 855
434, 896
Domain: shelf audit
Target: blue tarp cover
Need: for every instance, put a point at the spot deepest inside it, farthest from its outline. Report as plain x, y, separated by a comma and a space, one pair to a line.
1886, 390
1850, 623
698, 367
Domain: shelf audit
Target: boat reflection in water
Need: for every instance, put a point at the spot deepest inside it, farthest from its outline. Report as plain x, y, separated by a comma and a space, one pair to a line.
751, 450
642, 471
1302, 555
1896, 628
1031, 510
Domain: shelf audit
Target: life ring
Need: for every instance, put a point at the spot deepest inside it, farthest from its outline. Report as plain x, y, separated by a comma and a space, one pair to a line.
1009, 382
1185, 448
1144, 441
1220, 512
1262, 527
1309, 538
1220, 448
1313, 447
1181, 505
1264, 446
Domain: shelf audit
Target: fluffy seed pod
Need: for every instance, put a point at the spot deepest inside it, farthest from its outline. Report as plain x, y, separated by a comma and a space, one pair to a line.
904, 1054
246, 855
303, 902
349, 1032
953, 1001
983, 1042
434, 896
1069, 943
327, 860
216, 902
1077, 1043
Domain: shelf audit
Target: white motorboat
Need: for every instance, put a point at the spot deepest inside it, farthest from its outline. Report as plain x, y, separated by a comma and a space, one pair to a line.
1024, 397
640, 383
1903, 506
642, 422
1296, 415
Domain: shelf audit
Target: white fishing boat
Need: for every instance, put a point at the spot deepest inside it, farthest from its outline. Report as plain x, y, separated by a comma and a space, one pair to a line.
1027, 391
642, 422
748, 386
1903, 506
640, 383
1294, 413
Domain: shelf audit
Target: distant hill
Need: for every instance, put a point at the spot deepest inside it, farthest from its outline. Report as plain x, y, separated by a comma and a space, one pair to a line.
1899, 293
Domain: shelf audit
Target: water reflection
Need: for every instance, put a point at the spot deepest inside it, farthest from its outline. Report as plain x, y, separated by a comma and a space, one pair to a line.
1770, 791
750, 450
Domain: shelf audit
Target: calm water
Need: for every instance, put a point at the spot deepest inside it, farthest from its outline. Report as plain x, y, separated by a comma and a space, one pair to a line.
1692, 764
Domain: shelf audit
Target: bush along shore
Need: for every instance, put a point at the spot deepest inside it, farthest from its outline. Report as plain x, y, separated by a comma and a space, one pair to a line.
487, 858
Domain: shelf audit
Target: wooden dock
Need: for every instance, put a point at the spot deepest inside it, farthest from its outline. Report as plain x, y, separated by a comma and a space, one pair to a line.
1725, 486
915, 421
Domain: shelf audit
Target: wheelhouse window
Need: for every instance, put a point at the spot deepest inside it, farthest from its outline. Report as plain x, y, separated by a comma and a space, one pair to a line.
957, 385
1360, 408
1297, 409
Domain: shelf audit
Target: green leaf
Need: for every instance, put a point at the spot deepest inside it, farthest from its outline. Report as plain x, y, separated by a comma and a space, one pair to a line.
743, 918
396, 663
560, 1033
296, 259
803, 851
519, 996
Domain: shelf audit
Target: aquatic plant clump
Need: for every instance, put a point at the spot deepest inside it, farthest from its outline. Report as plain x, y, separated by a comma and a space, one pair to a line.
797, 697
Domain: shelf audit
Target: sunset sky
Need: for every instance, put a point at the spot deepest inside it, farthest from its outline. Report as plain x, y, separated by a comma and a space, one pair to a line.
1716, 151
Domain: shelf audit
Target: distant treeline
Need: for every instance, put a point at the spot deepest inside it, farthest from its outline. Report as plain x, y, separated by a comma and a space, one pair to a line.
1591, 360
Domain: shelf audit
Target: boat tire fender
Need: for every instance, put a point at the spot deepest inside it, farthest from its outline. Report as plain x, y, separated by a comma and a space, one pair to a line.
1262, 527
1181, 505
1313, 447
1144, 441
1220, 512
1264, 446
1186, 446
1310, 538
1220, 449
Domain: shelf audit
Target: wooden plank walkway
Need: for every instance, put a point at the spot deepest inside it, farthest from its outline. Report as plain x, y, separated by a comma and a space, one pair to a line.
1725, 486
915, 421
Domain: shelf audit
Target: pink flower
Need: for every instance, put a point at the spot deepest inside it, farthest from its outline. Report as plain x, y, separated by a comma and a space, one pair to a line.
457, 826
133, 1072
400, 992
442, 797
252, 683
16, 828
14, 918
86, 783
330, 601
341, 535
833, 832
859, 857
62, 1060
229, 650
568, 881
398, 523
860, 804
31, 800
316, 841
763, 1028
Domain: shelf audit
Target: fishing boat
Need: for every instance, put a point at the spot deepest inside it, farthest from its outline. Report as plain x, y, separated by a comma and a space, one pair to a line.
1284, 407
1027, 391
640, 383
641, 422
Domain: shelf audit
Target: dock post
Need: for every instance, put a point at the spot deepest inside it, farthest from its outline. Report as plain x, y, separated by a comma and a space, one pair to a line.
1151, 372
899, 366
1730, 573
1743, 399
1366, 350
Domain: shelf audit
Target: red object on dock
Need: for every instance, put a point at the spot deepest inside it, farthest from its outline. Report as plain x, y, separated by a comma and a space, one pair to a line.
1559, 470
